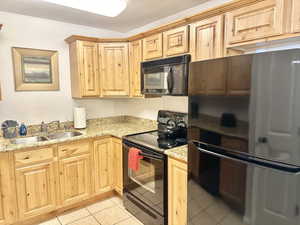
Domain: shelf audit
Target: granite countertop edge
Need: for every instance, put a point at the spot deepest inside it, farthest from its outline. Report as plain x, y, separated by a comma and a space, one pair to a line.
117, 129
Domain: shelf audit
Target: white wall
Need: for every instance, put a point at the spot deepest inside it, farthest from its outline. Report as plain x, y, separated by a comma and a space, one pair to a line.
33, 107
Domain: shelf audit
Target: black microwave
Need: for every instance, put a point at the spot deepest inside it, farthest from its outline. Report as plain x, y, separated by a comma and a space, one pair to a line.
166, 76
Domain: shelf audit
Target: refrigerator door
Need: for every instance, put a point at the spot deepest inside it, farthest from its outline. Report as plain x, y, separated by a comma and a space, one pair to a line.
248, 173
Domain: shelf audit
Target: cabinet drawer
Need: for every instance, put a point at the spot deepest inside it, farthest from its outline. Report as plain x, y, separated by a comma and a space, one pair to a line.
73, 149
33, 156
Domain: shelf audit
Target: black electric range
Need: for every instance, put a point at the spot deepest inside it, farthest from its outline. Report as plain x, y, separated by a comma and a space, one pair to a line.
146, 190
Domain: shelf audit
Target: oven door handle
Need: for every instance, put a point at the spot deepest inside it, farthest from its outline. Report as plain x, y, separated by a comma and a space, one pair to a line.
245, 158
151, 156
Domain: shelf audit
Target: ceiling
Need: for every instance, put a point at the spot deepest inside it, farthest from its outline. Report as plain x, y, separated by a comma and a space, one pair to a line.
138, 12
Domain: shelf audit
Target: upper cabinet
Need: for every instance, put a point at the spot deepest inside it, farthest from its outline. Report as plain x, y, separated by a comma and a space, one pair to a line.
114, 69
84, 69
207, 38
260, 20
153, 47
176, 41
295, 16
135, 58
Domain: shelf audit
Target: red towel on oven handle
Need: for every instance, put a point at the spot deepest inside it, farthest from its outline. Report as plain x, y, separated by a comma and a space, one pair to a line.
134, 158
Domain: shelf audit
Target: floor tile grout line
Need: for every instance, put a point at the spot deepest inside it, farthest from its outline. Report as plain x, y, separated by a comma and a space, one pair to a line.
74, 220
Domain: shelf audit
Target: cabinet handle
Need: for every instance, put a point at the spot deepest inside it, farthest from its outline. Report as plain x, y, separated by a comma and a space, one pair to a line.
27, 157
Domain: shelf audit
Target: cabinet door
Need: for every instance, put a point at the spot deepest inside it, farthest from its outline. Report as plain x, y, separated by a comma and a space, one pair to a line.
177, 193
207, 38
260, 20
135, 59
89, 69
36, 190
176, 41
153, 47
75, 180
103, 161
295, 16
118, 165
8, 201
239, 75
114, 69
233, 175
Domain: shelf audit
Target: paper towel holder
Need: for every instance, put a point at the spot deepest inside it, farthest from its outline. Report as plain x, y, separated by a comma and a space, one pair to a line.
79, 118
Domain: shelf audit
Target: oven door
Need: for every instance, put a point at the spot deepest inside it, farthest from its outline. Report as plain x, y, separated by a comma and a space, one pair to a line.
148, 185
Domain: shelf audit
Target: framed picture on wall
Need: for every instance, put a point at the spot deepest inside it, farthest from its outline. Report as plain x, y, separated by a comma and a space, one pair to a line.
35, 69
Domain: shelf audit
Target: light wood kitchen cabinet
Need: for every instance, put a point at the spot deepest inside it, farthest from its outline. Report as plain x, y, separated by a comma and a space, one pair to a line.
85, 80
176, 41
118, 164
114, 64
35, 176
233, 175
295, 16
36, 189
260, 20
153, 46
8, 201
207, 38
135, 59
103, 165
177, 192
74, 172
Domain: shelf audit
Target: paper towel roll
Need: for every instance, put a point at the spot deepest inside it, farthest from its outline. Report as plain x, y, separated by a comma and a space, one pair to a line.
79, 118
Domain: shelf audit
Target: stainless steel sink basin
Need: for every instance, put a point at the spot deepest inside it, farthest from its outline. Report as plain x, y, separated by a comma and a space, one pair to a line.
28, 140
61, 135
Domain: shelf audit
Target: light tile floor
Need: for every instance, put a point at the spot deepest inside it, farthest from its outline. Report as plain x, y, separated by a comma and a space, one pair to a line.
106, 212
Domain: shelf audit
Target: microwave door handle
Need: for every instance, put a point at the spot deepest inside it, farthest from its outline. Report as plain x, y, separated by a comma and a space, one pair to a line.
245, 158
170, 81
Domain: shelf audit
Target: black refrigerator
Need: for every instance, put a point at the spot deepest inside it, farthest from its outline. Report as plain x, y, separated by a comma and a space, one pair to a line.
244, 140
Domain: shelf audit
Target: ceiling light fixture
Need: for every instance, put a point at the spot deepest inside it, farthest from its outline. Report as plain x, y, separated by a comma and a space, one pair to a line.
111, 8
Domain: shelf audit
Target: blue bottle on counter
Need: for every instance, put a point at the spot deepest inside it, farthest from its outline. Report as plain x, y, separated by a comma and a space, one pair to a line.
23, 130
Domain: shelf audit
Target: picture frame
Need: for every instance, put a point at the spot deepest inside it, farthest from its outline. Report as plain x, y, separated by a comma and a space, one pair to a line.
35, 69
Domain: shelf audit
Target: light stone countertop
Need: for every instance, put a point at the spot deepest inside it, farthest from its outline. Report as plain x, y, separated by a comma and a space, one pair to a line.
115, 126
180, 153
95, 129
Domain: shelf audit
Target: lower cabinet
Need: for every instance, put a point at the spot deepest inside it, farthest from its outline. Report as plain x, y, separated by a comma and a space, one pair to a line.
36, 189
103, 165
75, 179
8, 209
40, 180
177, 192
118, 164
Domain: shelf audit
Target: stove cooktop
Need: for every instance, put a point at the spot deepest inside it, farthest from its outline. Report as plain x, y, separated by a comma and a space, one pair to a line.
152, 140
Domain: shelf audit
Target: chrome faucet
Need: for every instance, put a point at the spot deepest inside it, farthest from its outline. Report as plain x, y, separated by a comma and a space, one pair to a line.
44, 127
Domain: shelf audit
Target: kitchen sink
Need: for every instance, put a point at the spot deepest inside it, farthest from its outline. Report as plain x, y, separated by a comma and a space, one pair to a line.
62, 135
28, 140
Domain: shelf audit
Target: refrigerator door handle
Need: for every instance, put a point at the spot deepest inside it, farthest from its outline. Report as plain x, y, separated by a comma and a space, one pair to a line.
244, 158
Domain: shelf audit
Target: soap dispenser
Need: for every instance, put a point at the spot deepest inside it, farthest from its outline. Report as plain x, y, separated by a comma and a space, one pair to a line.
23, 130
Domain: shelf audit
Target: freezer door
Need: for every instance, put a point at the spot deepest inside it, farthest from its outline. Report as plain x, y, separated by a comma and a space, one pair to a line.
249, 190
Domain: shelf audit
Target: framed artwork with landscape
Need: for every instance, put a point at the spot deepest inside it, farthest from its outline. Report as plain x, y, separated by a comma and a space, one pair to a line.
35, 69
